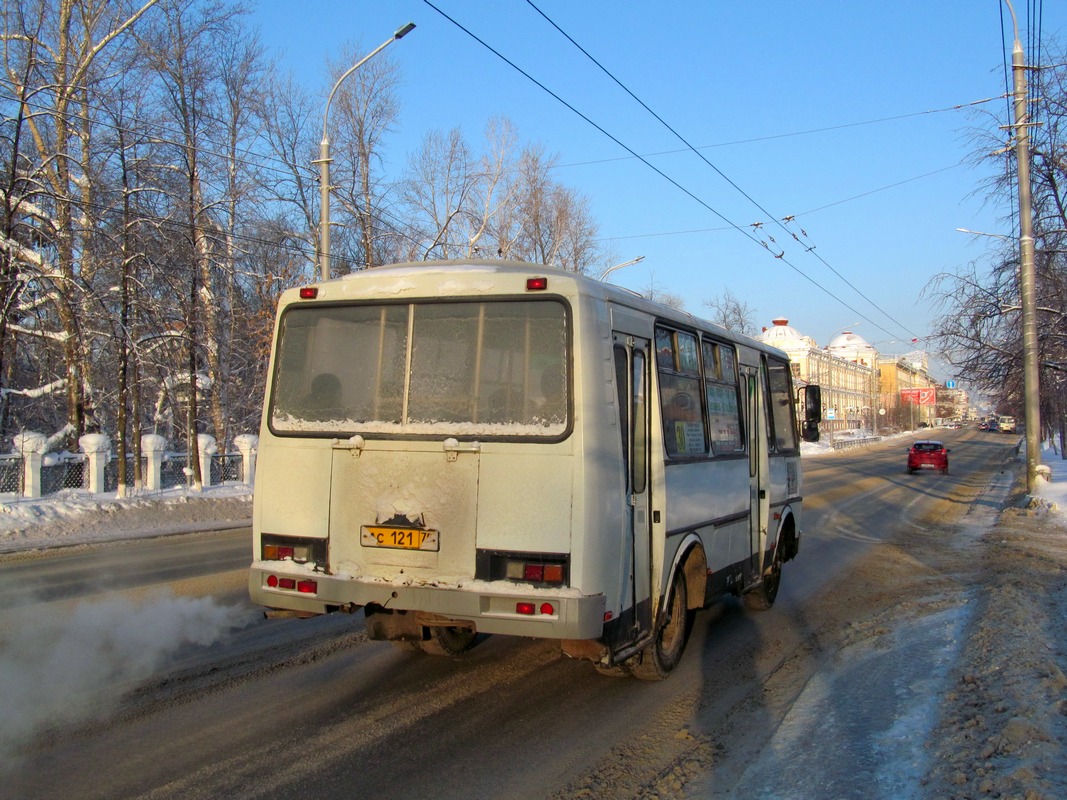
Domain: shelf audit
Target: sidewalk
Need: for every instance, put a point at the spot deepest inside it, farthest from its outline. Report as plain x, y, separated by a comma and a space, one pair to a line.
1003, 728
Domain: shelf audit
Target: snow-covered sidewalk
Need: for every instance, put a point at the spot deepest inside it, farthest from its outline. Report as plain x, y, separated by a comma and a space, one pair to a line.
76, 517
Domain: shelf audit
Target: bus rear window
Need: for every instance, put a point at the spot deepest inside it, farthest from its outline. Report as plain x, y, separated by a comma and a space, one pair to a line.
457, 369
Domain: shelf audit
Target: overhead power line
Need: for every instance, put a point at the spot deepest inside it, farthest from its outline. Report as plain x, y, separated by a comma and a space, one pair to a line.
791, 134
691, 148
780, 256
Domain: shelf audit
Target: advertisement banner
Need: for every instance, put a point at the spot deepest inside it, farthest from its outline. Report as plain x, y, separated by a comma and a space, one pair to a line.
926, 396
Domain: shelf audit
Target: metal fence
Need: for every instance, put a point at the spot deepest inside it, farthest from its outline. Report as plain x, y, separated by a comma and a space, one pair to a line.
12, 473
64, 471
848, 444
70, 471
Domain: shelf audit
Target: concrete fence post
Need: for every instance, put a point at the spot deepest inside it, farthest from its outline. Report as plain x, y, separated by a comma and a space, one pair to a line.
152, 446
205, 443
32, 447
97, 447
247, 444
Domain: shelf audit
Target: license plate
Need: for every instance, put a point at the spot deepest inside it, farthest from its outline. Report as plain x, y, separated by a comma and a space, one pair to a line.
398, 538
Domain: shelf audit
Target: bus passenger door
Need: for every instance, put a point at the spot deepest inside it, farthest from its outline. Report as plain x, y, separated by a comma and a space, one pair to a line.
758, 471
631, 372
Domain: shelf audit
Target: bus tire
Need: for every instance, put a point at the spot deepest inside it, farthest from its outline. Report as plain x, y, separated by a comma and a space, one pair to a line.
660, 658
763, 596
448, 641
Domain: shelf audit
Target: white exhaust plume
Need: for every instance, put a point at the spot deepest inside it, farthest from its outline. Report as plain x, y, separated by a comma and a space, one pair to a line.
67, 668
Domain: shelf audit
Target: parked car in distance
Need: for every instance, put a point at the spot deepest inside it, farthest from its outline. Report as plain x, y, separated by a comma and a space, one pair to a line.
928, 454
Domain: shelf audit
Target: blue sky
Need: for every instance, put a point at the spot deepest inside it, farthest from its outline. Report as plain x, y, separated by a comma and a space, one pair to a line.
817, 110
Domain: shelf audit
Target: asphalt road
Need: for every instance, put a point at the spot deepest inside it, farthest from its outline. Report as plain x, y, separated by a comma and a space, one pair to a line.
310, 709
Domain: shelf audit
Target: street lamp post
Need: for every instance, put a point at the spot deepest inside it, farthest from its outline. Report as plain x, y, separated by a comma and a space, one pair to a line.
324, 155
611, 269
1027, 278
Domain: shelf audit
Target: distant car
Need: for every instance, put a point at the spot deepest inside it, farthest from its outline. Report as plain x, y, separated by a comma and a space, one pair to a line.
928, 454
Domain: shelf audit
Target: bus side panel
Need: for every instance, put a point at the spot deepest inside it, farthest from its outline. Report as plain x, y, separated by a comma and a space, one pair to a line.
525, 500
705, 491
292, 496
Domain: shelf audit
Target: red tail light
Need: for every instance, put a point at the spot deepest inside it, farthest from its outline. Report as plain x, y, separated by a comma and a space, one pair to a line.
309, 292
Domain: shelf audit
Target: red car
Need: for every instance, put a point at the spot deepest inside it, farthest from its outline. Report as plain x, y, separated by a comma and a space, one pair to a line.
928, 455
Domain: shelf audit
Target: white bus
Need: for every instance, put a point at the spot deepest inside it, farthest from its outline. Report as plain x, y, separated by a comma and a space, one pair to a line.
488, 447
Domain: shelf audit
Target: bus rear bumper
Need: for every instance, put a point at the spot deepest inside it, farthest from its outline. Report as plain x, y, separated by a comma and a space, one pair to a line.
538, 613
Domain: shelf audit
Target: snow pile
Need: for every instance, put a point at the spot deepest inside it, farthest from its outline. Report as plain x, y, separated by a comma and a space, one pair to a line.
75, 516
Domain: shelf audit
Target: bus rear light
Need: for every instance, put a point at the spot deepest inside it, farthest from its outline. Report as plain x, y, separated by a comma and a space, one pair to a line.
280, 552
536, 284
553, 573
309, 292
531, 609
535, 572
292, 584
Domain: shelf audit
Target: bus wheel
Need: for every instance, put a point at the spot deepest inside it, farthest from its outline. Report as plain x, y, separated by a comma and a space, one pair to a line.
763, 596
448, 641
659, 659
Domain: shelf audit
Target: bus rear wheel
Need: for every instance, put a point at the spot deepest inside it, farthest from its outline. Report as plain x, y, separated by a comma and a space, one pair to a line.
763, 596
448, 641
660, 658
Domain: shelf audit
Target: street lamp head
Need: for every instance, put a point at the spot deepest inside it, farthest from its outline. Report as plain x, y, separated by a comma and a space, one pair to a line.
402, 32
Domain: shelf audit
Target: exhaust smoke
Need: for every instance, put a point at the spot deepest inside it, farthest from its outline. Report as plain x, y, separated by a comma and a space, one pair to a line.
69, 667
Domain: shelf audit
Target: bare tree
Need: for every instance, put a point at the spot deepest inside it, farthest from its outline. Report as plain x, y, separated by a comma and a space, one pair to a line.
51, 49
364, 112
437, 195
732, 313
546, 222
978, 330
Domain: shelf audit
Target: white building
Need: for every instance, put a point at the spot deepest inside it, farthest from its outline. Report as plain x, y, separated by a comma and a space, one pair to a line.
846, 370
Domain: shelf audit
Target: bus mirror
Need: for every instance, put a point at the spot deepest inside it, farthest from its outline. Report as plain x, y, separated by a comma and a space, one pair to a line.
812, 413
812, 404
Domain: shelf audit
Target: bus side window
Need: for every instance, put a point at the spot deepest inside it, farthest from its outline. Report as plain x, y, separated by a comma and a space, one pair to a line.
681, 401
624, 406
720, 389
781, 400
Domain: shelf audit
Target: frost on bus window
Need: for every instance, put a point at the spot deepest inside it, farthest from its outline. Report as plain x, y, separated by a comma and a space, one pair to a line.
338, 366
476, 368
490, 364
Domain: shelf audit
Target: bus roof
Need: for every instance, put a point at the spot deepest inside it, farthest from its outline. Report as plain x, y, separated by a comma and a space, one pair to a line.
480, 277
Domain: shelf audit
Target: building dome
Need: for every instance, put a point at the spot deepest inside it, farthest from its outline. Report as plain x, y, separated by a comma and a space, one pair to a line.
852, 347
782, 336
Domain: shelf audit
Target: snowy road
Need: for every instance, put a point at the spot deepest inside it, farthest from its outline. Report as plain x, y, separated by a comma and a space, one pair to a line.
827, 694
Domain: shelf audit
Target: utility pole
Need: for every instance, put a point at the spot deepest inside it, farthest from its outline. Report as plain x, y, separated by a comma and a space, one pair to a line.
1027, 278
324, 155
